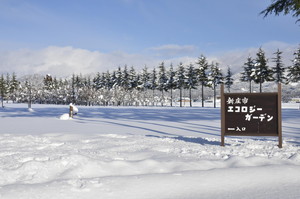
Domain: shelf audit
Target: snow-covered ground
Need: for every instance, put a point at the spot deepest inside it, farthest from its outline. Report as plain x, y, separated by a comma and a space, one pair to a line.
142, 152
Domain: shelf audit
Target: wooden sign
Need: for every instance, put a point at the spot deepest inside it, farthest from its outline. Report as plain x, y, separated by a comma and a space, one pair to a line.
251, 114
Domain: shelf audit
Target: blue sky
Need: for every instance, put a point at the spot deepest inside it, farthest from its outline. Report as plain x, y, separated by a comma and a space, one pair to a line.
165, 29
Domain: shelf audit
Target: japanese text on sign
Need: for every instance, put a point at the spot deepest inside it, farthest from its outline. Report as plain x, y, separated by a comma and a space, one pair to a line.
250, 110
247, 113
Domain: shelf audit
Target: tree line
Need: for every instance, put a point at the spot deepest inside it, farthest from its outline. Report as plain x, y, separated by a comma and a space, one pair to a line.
126, 86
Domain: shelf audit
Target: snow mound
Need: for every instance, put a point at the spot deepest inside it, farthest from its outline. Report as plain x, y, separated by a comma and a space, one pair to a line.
65, 117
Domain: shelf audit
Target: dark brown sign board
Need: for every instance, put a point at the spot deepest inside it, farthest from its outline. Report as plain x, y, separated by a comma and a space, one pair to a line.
251, 114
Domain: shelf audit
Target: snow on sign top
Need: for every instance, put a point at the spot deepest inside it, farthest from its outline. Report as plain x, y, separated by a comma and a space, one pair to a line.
75, 109
251, 114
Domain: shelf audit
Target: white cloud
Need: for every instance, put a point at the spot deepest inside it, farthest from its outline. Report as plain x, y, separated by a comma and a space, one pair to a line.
64, 61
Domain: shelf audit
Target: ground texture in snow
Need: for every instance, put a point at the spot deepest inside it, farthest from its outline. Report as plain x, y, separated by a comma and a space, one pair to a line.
141, 153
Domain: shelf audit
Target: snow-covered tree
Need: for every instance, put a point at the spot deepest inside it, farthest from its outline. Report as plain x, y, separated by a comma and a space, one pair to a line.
153, 84
48, 82
262, 72
180, 80
29, 88
119, 77
86, 93
7, 85
215, 78
110, 80
278, 69
162, 81
294, 69
171, 84
125, 82
191, 80
144, 84
14, 85
228, 79
47, 89
133, 78
202, 75
73, 89
133, 82
97, 81
3, 89
145, 79
248, 74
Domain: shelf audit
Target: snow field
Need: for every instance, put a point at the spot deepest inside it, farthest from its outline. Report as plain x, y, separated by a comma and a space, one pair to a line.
141, 153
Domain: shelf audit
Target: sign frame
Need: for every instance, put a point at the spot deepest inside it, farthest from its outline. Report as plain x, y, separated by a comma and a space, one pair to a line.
278, 128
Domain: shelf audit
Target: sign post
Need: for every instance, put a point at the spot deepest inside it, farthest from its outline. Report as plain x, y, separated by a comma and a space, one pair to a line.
251, 114
71, 111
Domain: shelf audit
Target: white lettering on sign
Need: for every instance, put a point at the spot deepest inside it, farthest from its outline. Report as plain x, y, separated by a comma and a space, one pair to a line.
238, 105
237, 100
236, 128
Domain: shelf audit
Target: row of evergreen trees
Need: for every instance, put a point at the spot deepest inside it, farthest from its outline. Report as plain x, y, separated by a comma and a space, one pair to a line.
257, 70
125, 86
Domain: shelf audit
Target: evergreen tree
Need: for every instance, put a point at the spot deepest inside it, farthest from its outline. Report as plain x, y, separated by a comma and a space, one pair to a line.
153, 84
294, 69
13, 87
180, 80
145, 79
48, 82
111, 80
262, 73
228, 79
138, 98
47, 89
28, 86
283, 6
108, 82
202, 75
247, 75
97, 81
145, 83
79, 82
3, 89
60, 92
139, 82
171, 84
215, 78
8, 86
86, 91
54, 96
133, 79
119, 77
278, 69
73, 87
162, 80
125, 79
191, 80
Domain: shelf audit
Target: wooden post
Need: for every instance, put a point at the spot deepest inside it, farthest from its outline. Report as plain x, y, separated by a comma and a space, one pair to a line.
222, 116
71, 112
279, 117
